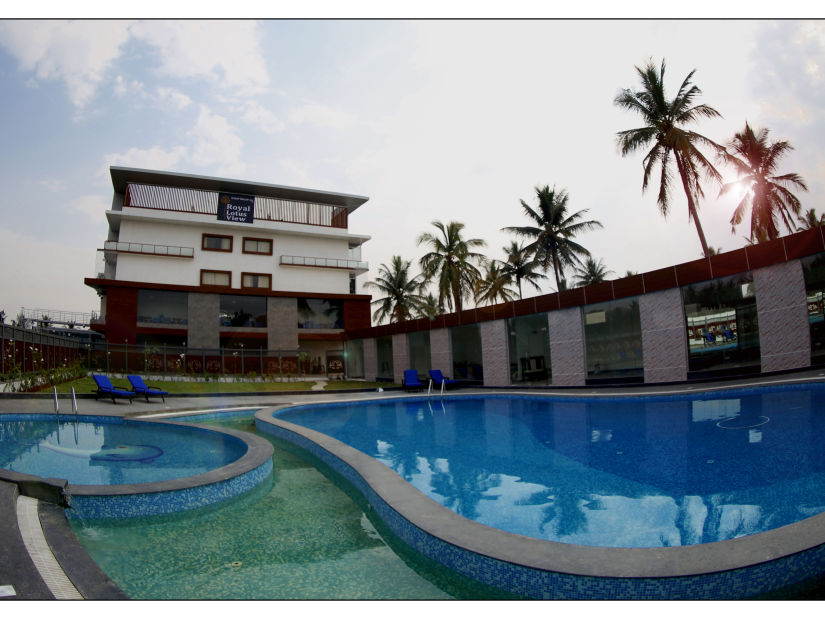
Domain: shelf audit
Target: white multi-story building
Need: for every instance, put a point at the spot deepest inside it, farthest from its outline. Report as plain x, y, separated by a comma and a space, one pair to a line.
219, 263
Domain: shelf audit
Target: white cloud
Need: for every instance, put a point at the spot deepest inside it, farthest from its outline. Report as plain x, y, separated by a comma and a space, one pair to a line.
76, 52
323, 116
173, 97
155, 158
92, 206
216, 144
260, 117
227, 53
125, 87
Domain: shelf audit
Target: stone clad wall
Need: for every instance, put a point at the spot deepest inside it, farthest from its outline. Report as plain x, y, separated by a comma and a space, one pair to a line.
282, 323
566, 347
204, 310
441, 354
664, 336
400, 357
782, 311
494, 355
370, 360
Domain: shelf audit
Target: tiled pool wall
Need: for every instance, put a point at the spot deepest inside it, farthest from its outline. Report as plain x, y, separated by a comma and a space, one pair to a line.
164, 502
212, 415
748, 581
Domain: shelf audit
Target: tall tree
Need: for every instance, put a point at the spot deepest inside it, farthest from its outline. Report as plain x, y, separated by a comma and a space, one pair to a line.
429, 307
670, 143
402, 293
494, 286
451, 262
809, 220
552, 232
767, 195
520, 265
591, 272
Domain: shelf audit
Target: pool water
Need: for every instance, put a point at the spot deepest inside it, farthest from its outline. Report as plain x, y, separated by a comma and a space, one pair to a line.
300, 536
637, 472
112, 453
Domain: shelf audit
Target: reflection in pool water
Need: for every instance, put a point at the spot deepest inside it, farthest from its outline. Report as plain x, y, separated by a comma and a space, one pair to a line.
639, 472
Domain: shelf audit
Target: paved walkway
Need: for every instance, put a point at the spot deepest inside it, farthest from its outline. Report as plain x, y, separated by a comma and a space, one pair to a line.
22, 571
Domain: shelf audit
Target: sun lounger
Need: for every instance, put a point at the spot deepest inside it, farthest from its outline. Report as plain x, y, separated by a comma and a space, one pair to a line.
105, 388
141, 388
439, 378
411, 381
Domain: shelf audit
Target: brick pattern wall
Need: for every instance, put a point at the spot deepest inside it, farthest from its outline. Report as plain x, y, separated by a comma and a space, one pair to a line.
441, 354
567, 347
370, 359
494, 356
204, 328
664, 336
282, 323
400, 358
782, 310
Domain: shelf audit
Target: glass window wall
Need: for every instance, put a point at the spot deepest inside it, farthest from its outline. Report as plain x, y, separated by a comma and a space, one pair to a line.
418, 349
242, 311
613, 340
383, 349
466, 346
163, 307
813, 269
354, 358
320, 314
529, 347
722, 326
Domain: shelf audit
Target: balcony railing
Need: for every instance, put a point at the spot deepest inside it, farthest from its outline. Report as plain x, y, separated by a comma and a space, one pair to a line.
204, 202
328, 263
152, 250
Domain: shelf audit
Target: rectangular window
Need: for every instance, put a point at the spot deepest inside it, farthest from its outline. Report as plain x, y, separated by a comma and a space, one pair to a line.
216, 278
320, 314
216, 242
257, 246
529, 347
163, 307
418, 349
465, 342
613, 340
241, 311
256, 280
813, 270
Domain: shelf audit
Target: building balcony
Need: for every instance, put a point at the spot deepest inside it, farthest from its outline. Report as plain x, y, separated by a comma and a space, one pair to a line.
353, 266
205, 202
121, 247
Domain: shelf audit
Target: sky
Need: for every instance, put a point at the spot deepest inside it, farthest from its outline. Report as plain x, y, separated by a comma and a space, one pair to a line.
448, 120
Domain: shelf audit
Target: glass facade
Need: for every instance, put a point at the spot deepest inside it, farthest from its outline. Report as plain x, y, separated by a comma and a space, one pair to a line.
320, 314
722, 326
466, 346
813, 269
163, 307
529, 348
383, 350
354, 358
242, 311
418, 350
613, 339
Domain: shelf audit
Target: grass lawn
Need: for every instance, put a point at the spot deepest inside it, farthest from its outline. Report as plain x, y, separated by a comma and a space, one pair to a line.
87, 385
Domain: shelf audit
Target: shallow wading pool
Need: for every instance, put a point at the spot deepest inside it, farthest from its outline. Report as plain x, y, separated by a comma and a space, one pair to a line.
714, 495
121, 468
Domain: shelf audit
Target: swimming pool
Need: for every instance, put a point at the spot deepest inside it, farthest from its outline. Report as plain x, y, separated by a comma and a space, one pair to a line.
105, 466
644, 496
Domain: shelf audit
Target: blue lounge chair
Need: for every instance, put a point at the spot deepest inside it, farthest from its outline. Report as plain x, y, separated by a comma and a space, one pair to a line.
105, 387
141, 387
411, 381
438, 379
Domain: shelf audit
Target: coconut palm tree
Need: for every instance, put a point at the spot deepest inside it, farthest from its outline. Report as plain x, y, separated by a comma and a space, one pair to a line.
402, 293
519, 265
767, 196
452, 262
429, 307
809, 220
591, 272
553, 231
494, 286
670, 143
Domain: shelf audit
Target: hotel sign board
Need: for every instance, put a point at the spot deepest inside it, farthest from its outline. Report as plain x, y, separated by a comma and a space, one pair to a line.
236, 207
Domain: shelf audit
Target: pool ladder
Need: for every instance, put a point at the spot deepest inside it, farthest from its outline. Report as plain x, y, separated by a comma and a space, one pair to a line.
430, 389
57, 407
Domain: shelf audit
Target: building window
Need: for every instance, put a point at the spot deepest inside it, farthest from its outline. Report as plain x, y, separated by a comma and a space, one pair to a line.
320, 314
216, 242
613, 339
163, 307
529, 347
813, 269
256, 280
418, 349
242, 311
257, 246
216, 278
383, 353
465, 342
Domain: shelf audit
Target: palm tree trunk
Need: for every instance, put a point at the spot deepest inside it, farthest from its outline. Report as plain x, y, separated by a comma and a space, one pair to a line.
692, 206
